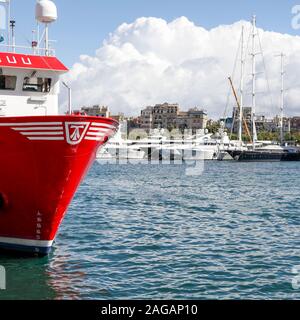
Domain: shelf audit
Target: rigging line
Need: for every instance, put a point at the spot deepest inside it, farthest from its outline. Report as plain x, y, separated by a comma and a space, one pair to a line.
25, 38
265, 68
249, 93
230, 89
293, 87
248, 43
246, 53
233, 75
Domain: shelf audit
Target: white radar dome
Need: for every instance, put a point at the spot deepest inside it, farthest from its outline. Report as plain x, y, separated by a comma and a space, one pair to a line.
46, 11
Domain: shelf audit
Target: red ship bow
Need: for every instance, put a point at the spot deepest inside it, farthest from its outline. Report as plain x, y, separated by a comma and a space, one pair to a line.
42, 162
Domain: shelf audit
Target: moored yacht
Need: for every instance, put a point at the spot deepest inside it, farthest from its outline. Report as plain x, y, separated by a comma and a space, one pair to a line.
260, 151
120, 149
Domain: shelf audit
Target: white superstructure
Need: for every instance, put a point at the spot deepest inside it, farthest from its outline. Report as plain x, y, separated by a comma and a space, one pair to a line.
29, 83
28, 92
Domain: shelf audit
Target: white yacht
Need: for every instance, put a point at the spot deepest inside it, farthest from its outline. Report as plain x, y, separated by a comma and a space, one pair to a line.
159, 147
121, 149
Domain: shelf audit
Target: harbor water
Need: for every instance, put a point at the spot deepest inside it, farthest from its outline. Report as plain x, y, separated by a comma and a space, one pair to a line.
151, 231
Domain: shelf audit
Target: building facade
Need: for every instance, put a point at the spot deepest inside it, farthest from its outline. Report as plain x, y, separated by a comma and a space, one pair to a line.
168, 116
146, 119
295, 124
165, 115
247, 115
97, 111
263, 124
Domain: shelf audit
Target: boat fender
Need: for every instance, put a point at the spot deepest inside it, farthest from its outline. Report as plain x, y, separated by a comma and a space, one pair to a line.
3, 201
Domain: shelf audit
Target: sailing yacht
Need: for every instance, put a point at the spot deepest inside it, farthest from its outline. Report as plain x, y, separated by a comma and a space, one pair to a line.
258, 152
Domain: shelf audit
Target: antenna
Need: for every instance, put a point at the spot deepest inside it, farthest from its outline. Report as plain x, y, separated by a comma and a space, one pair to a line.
46, 13
34, 42
12, 28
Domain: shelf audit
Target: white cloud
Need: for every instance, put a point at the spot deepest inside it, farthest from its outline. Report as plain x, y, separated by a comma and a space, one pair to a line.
151, 61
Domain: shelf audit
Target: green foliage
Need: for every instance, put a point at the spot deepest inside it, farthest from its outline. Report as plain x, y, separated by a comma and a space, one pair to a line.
234, 137
214, 127
262, 135
294, 136
270, 136
245, 137
275, 136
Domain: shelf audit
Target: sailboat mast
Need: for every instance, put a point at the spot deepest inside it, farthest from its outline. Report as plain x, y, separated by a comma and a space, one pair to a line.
282, 100
254, 82
241, 90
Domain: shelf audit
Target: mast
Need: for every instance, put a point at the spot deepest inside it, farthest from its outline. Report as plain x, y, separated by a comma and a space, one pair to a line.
253, 54
239, 106
46, 13
46, 39
8, 23
13, 37
282, 100
241, 90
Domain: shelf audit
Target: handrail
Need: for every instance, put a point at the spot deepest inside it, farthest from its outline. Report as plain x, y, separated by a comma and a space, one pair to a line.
34, 50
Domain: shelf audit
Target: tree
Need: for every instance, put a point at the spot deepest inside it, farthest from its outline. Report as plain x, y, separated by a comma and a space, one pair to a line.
269, 136
213, 127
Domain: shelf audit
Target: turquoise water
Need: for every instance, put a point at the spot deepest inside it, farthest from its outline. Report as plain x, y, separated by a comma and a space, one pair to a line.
141, 231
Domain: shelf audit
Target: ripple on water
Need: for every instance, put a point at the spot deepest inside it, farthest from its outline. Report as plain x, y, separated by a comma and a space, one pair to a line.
139, 231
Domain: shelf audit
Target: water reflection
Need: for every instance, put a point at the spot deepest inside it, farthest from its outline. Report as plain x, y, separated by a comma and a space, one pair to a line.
27, 279
50, 278
65, 277
70, 275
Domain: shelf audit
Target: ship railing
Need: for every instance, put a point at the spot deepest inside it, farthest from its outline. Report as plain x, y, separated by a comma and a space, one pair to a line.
36, 51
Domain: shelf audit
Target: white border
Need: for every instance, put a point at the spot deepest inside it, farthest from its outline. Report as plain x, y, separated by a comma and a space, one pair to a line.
28, 243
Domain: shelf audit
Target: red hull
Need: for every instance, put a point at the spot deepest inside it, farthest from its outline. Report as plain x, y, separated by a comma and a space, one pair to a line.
42, 162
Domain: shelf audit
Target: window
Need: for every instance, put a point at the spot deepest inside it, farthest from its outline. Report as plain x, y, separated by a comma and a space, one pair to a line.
37, 84
8, 82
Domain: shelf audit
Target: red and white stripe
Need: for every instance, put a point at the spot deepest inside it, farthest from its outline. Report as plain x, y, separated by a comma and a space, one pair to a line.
39, 131
99, 131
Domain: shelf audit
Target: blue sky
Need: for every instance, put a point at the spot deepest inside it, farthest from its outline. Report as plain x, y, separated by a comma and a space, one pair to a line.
83, 25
